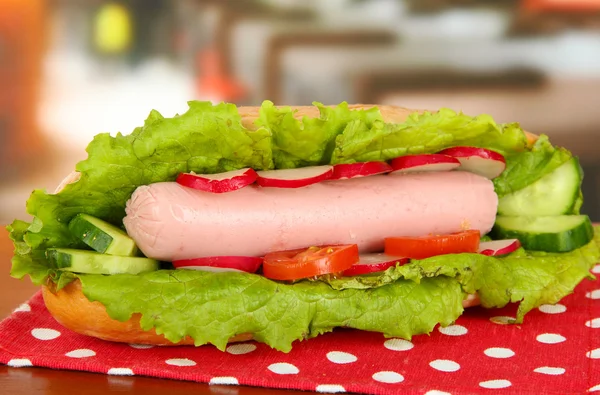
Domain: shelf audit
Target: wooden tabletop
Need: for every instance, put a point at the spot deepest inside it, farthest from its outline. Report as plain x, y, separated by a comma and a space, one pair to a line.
39, 381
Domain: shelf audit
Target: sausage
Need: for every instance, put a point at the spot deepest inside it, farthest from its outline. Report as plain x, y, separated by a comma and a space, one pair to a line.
172, 222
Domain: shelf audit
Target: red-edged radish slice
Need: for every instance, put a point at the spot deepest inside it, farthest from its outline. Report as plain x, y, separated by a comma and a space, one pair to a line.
371, 263
220, 182
499, 247
425, 162
249, 264
294, 178
211, 269
361, 169
486, 163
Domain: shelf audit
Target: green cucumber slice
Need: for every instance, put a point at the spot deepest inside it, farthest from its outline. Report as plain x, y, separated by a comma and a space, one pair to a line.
561, 233
102, 236
80, 261
554, 194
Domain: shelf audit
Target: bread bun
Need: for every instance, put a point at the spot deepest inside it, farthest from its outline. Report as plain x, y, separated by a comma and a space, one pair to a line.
73, 310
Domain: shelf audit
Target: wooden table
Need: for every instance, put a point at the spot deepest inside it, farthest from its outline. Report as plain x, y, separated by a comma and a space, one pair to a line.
38, 381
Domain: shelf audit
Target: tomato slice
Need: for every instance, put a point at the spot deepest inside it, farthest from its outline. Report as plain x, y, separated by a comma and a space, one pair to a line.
428, 246
309, 262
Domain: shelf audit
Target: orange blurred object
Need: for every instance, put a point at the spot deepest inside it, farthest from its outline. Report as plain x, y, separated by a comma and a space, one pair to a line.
22, 33
561, 5
213, 82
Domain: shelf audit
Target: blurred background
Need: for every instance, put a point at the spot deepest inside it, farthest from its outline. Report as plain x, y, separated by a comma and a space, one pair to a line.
70, 69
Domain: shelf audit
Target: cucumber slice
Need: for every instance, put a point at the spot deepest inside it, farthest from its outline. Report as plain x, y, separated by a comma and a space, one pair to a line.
561, 233
80, 261
554, 194
102, 236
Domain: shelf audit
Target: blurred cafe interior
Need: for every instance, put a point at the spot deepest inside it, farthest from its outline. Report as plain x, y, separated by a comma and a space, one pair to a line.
70, 69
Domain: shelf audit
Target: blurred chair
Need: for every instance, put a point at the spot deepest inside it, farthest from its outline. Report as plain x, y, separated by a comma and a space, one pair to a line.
373, 87
279, 44
426, 6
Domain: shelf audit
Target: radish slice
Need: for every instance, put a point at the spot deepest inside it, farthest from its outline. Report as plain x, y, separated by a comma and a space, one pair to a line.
220, 182
371, 263
294, 178
211, 269
249, 264
499, 247
421, 163
486, 163
361, 169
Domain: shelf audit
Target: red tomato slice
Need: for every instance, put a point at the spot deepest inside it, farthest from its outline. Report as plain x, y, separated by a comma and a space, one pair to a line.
309, 262
428, 246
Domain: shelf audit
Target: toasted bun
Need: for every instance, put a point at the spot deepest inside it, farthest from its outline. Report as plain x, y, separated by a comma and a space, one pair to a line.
74, 311
70, 307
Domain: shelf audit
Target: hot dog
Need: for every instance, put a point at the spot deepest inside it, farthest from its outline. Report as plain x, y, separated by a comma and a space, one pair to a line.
171, 222
129, 182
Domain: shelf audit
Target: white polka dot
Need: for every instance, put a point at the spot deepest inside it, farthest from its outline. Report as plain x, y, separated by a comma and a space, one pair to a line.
388, 377
120, 371
444, 365
595, 294
594, 354
45, 333
594, 388
226, 380
453, 330
552, 308
550, 338
180, 362
24, 307
499, 352
502, 320
549, 370
243, 348
19, 363
283, 368
81, 353
141, 346
595, 323
330, 388
398, 345
341, 357
492, 384
596, 269
436, 392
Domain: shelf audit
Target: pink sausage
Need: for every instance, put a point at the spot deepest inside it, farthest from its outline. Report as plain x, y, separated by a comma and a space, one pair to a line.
171, 222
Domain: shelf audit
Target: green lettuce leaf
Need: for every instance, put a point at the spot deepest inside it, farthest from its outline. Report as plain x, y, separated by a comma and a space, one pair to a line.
25, 260
311, 141
525, 168
212, 307
424, 133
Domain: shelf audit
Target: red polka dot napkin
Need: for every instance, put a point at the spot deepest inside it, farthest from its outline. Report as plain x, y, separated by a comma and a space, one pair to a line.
556, 351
